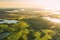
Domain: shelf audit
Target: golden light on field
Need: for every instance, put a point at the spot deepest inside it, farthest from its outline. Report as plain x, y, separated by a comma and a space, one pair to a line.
55, 20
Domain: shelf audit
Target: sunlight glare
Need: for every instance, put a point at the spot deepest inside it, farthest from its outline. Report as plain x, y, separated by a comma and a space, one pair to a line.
46, 4
52, 19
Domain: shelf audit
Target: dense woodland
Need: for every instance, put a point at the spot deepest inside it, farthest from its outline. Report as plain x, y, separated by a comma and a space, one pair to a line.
32, 27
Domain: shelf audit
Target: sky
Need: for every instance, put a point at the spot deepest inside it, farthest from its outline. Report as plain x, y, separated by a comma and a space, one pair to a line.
46, 4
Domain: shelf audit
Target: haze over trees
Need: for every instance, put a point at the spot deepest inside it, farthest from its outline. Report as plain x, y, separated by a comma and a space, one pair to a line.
30, 27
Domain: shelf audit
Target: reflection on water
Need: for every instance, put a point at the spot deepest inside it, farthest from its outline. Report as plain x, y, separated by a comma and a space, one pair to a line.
52, 19
8, 21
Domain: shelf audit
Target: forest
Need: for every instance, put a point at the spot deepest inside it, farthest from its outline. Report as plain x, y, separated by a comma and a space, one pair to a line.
32, 27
